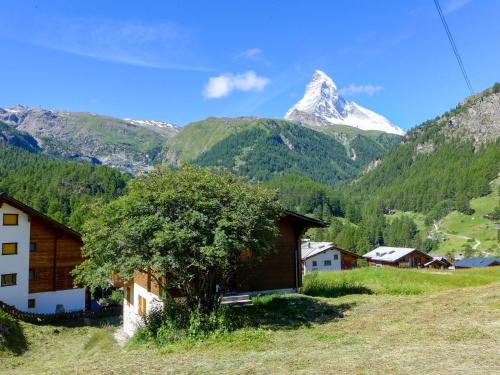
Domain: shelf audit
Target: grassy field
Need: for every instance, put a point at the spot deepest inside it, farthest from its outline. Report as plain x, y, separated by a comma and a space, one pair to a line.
458, 227
446, 330
395, 281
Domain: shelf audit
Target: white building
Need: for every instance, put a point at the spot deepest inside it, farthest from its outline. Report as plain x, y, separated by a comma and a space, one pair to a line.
36, 257
326, 256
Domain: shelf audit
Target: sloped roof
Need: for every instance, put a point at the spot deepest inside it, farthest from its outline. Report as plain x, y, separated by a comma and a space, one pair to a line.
477, 262
44, 218
389, 254
308, 221
310, 249
436, 260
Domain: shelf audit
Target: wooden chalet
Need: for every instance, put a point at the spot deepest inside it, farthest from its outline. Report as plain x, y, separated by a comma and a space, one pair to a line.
402, 257
38, 255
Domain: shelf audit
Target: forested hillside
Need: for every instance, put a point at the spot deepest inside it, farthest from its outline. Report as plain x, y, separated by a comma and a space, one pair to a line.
442, 163
59, 189
262, 149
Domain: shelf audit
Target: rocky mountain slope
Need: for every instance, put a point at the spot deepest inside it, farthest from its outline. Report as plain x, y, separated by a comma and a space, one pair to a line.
477, 118
17, 138
441, 164
322, 105
131, 145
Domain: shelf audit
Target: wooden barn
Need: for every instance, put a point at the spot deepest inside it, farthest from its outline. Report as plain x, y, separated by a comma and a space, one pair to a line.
402, 257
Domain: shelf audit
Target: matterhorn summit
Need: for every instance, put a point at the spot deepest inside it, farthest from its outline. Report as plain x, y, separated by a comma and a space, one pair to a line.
322, 105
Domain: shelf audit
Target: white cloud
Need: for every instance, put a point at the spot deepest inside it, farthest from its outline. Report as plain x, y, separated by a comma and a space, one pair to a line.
224, 84
251, 54
360, 89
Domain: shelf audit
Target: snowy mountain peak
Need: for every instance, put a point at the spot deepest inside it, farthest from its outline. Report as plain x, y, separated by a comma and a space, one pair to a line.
322, 105
319, 75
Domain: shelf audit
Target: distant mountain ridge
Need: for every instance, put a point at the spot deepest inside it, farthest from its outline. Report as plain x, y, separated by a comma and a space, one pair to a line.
322, 105
130, 145
260, 148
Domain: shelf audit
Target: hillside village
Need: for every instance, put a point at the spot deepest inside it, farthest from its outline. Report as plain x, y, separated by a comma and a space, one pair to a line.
279, 220
51, 275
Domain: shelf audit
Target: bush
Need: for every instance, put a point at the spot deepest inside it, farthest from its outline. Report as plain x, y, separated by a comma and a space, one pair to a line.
12, 338
165, 324
116, 297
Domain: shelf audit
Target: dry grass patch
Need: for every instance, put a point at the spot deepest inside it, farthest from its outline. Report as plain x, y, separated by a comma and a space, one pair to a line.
446, 332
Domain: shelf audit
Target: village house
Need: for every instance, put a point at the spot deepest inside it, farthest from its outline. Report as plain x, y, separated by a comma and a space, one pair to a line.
439, 262
37, 256
477, 262
403, 257
326, 256
280, 271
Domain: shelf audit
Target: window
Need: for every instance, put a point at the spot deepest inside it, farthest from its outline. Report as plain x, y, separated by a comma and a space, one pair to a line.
8, 279
32, 274
10, 219
315, 263
335, 256
128, 296
142, 306
327, 263
32, 247
9, 248
31, 303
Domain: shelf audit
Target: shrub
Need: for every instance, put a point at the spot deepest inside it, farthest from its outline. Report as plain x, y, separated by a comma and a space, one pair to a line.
116, 297
174, 320
12, 338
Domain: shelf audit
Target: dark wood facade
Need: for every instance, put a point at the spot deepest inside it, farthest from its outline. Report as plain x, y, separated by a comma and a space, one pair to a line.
282, 267
55, 255
348, 260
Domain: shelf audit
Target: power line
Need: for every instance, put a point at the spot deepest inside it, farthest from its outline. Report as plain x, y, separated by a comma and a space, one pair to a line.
453, 46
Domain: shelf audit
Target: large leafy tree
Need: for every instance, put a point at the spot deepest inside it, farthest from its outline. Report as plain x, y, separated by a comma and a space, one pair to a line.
188, 228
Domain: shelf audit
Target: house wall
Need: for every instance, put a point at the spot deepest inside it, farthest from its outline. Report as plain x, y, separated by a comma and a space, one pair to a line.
349, 261
280, 269
56, 255
320, 261
46, 302
131, 318
16, 295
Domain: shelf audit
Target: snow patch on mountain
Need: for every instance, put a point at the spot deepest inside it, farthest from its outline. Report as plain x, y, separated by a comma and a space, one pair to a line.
150, 123
322, 105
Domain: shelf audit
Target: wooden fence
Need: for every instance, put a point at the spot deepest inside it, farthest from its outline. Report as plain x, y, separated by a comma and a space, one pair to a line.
75, 316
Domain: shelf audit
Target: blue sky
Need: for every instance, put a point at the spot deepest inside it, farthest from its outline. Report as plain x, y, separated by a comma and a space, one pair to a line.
182, 61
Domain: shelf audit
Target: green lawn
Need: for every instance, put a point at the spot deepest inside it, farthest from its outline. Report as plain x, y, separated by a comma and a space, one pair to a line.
399, 281
474, 226
441, 331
